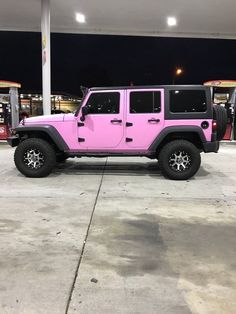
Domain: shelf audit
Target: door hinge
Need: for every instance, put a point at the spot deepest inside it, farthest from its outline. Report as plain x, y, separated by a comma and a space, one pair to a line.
80, 139
80, 124
129, 124
128, 139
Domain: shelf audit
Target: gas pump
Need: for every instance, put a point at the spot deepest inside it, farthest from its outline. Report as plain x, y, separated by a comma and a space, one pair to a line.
5, 116
226, 91
9, 108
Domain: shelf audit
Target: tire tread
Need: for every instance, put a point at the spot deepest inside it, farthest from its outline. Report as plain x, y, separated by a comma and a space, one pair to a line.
168, 149
48, 151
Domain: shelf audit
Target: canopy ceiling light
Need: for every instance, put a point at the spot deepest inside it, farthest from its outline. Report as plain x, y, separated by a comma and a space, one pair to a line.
80, 18
171, 21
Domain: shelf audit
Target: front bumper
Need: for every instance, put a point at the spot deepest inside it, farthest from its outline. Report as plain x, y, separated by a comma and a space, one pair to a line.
13, 141
211, 147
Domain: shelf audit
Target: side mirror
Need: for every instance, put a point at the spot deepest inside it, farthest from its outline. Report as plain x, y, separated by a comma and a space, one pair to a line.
85, 112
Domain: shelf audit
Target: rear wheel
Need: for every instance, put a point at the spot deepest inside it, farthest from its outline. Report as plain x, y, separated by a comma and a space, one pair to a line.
179, 160
35, 158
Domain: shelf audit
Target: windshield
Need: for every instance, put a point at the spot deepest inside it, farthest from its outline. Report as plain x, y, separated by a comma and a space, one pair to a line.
84, 91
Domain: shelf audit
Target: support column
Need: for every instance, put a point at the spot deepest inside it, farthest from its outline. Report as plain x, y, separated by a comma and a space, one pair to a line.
46, 55
14, 101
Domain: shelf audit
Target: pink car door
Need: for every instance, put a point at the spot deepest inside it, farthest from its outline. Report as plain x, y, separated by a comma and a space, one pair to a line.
103, 127
145, 117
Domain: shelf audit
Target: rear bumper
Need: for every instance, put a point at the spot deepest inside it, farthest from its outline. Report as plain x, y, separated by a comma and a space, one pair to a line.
13, 141
211, 147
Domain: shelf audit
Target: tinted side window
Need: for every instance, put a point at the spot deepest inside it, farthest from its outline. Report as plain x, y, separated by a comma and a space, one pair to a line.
145, 102
104, 103
188, 101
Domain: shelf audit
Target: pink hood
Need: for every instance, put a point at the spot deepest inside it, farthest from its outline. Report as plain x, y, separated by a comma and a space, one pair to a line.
45, 119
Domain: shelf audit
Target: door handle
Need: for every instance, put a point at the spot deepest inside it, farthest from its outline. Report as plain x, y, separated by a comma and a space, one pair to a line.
154, 120
116, 121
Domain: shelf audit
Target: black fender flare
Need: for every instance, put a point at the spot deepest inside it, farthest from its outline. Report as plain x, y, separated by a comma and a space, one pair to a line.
50, 130
173, 129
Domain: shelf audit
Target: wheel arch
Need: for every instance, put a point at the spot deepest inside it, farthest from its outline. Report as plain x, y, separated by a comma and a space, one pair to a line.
193, 134
46, 132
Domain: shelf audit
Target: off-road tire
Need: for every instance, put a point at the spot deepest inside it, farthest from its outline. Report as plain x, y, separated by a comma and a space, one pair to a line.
46, 150
220, 115
172, 149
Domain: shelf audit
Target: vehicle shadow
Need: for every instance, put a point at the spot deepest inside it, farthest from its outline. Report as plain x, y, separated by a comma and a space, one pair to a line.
202, 172
72, 167
129, 168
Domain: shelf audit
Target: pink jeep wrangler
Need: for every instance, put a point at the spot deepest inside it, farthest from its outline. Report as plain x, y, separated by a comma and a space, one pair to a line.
173, 124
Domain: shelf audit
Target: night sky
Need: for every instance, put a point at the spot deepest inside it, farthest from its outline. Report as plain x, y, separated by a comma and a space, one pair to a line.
95, 60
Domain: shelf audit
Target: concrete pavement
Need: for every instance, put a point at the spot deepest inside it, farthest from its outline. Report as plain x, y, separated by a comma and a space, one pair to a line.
114, 236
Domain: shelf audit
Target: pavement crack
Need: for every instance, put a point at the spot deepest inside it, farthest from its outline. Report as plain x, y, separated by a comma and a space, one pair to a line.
84, 242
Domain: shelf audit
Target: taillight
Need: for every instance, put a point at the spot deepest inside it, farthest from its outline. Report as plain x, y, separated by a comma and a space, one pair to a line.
214, 125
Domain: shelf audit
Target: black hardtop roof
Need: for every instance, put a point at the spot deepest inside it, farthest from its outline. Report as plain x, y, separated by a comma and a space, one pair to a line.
149, 87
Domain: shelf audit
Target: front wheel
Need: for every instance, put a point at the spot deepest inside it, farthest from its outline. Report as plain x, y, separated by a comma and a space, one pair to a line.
179, 160
35, 158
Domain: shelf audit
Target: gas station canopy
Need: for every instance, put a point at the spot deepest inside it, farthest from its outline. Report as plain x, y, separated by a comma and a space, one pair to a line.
221, 83
199, 18
8, 84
